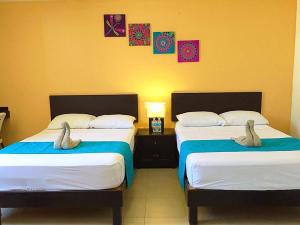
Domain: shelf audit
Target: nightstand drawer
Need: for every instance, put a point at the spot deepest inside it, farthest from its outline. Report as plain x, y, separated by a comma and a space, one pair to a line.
149, 143
149, 153
155, 150
157, 147
151, 156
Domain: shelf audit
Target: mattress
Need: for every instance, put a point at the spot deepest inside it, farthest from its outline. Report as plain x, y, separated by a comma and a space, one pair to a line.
277, 170
51, 172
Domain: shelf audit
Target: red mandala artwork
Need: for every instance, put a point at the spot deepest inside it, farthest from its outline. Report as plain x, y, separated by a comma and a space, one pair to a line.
139, 34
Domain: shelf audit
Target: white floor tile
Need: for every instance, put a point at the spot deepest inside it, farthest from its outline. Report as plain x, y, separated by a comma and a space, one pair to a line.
165, 207
134, 207
163, 221
134, 221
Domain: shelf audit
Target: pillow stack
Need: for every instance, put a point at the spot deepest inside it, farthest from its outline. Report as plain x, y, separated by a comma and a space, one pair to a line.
240, 118
231, 118
76, 121
113, 122
200, 119
85, 121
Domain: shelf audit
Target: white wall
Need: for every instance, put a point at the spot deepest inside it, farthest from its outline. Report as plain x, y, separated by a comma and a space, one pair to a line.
295, 126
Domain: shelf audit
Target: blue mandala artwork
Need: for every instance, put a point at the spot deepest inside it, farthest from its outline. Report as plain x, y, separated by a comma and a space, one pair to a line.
163, 42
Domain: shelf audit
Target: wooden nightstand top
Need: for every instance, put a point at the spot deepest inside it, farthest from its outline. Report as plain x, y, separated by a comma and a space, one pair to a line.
145, 132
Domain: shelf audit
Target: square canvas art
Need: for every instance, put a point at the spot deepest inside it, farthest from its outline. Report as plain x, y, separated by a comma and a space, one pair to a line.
188, 51
163, 42
139, 34
114, 25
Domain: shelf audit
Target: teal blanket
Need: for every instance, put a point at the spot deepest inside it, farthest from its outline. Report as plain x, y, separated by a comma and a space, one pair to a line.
122, 148
207, 146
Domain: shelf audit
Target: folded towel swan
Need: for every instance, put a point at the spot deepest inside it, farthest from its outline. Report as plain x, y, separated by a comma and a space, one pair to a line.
251, 139
58, 141
64, 140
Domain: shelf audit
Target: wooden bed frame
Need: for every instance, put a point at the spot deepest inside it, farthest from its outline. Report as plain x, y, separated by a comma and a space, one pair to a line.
219, 103
90, 104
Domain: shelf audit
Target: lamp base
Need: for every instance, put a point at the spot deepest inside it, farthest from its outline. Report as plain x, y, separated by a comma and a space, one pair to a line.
156, 127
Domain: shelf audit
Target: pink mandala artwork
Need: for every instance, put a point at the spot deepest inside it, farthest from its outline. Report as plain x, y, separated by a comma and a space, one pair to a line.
188, 51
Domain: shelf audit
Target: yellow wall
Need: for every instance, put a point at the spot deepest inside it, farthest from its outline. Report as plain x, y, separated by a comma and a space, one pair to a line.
58, 47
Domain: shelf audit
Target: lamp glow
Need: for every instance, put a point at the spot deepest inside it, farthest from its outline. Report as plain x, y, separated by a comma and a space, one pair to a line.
156, 109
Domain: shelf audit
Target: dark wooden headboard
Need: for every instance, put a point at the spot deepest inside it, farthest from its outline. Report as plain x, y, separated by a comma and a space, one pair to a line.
94, 104
215, 102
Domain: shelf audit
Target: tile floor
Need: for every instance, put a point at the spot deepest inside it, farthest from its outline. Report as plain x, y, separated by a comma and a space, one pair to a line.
154, 199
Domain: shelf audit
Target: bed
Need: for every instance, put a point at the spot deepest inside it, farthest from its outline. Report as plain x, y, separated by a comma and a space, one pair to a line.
71, 180
221, 179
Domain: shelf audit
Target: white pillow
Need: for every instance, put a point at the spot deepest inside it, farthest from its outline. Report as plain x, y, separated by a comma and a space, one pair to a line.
240, 118
117, 121
76, 121
200, 119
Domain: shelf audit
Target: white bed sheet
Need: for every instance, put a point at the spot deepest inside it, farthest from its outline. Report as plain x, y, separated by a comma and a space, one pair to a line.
50, 172
278, 170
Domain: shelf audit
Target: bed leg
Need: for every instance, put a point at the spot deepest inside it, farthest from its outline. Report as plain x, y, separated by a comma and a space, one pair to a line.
117, 216
193, 217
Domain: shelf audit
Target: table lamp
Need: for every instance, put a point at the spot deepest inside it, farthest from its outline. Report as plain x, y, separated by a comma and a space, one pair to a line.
156, 113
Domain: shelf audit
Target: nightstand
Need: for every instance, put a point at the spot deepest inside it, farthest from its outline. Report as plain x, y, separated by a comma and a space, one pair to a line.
155, 150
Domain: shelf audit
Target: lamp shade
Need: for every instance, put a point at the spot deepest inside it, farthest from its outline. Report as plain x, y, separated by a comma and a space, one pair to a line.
156, 109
